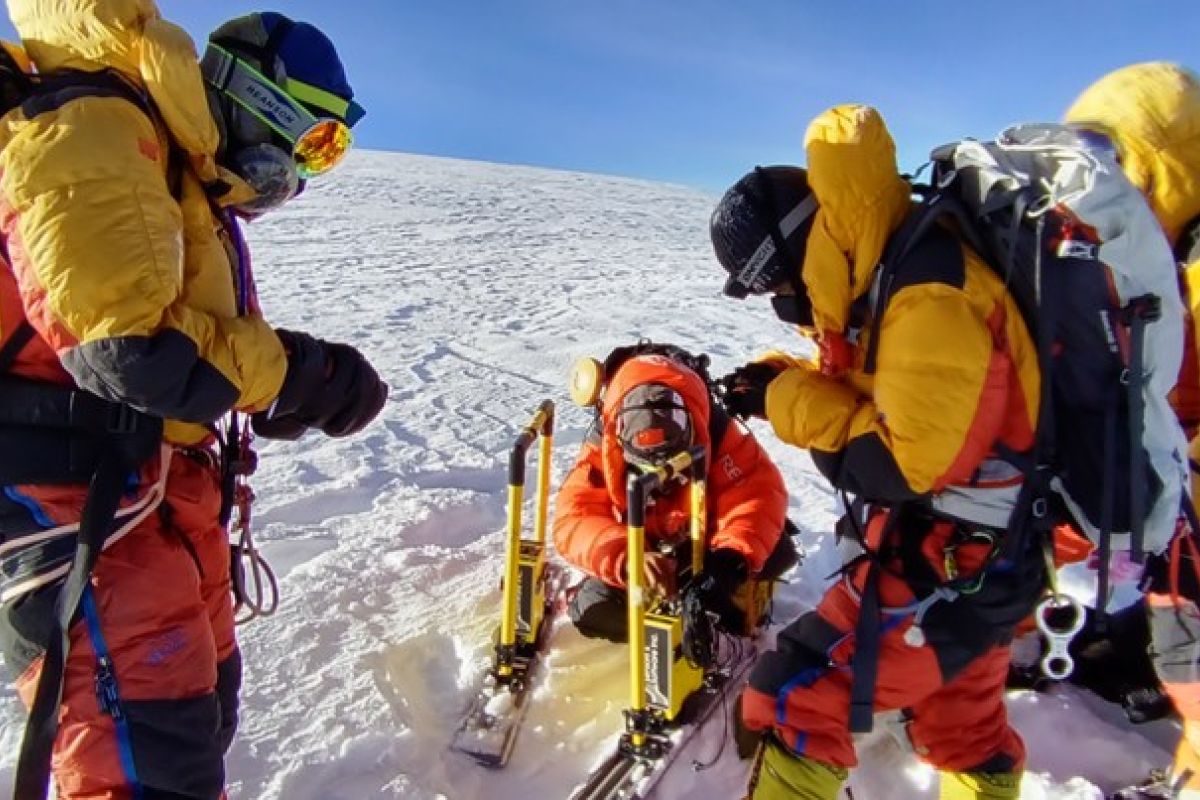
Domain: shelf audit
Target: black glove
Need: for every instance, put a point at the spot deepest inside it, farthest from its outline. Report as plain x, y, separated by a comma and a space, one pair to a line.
328, 386
745, 388
724, 572
727, 568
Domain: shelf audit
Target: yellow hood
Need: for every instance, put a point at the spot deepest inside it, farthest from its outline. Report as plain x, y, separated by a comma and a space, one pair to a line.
861, 200
131, 37
1152, 111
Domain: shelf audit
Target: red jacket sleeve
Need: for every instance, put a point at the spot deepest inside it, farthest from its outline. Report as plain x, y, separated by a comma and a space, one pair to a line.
587, 532
747, 497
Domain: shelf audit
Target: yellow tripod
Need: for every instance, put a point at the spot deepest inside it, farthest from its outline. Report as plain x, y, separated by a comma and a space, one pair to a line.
660, 678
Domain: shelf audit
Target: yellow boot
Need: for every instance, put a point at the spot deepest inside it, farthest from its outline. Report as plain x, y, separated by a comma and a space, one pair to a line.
781, 775
980, 786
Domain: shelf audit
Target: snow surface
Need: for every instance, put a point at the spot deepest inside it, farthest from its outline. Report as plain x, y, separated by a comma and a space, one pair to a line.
473, 287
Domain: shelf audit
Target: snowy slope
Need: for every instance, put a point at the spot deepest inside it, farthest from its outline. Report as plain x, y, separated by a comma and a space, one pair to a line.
473, 287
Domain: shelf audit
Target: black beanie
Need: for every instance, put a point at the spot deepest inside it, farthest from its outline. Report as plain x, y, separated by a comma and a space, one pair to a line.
760, 227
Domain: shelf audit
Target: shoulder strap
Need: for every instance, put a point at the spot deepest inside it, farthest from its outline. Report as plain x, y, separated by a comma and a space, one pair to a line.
54, 90
17, 84
939, 204
15, 344
1187, 249
718, 422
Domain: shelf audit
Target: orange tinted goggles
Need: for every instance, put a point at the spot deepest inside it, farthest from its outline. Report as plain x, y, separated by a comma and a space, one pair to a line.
318, 143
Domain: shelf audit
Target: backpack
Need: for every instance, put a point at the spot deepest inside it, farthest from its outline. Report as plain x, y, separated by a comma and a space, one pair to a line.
1050, 211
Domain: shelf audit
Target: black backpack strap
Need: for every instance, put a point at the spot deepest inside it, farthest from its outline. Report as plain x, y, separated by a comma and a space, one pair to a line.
914, 230
718, 423
16, 343
1187, 249
1138, 312
868, 634
56, 89
866, 655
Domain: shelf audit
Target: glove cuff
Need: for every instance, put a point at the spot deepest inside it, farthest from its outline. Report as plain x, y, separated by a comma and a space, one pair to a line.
307, 365
727, 567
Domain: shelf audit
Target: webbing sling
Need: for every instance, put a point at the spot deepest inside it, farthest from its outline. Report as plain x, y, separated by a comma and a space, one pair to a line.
108, 694
33, 764
867, 632
867, 636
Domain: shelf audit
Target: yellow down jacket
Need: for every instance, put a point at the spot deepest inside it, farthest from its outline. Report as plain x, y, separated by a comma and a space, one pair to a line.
956, 371
126, 263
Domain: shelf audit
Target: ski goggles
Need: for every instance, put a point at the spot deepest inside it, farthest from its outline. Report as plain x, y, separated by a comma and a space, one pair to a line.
319, 143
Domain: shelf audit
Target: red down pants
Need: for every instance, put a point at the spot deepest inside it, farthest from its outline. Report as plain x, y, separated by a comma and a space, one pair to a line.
163, 596
948, 676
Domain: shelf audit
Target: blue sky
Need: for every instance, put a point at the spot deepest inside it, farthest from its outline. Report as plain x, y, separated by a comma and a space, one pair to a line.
699, 91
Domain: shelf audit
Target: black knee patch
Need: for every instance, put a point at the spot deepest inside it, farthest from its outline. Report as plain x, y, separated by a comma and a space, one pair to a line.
600, 611
177, 747
229, 684
801, 655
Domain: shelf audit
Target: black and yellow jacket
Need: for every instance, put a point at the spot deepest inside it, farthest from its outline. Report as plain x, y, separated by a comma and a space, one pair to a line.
956, 372
121, 254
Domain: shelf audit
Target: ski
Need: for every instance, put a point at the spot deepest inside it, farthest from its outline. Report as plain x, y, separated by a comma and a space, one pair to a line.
630, 773
488, 729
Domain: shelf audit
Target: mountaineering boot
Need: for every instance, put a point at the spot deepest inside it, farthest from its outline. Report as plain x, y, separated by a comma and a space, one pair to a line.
1146, 704
980, 786
781, 775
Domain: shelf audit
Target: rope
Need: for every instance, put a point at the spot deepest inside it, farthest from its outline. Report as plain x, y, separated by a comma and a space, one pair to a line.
258, 597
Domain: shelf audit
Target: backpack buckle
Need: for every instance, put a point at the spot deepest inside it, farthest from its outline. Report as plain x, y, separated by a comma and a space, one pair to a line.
1147, 308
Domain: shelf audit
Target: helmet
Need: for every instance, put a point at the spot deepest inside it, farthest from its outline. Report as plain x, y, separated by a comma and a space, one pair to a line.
760, 227
653, 423
282, 101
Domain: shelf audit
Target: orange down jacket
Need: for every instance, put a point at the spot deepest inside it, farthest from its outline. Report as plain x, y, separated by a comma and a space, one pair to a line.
747, 500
